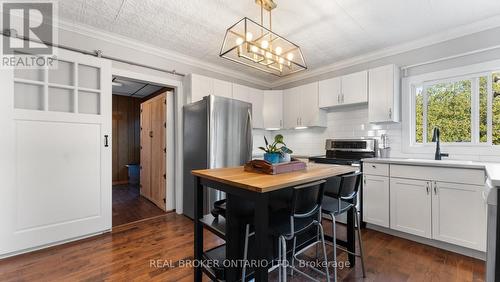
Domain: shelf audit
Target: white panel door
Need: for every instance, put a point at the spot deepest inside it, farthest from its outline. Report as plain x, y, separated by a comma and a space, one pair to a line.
410, 204
459, 215
355, 88
376, 200
56, 153
273, 109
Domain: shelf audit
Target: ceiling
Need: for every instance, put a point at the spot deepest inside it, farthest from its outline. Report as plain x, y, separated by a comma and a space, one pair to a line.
133, 88
328, 31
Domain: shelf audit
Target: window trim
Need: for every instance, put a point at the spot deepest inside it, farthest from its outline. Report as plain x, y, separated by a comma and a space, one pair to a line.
409, 85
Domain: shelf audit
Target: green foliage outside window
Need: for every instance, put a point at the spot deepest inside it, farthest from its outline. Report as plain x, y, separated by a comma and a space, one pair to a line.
449, 108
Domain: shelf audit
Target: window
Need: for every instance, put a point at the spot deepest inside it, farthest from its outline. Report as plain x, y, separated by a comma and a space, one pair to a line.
466, 109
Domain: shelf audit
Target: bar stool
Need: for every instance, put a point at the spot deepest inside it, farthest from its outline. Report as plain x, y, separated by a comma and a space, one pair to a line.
303, 213
339, 202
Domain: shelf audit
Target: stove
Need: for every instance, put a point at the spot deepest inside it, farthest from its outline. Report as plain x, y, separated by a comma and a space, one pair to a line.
347, 151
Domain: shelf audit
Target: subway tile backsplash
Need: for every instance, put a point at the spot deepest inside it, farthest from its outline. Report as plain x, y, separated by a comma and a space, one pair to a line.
348, 122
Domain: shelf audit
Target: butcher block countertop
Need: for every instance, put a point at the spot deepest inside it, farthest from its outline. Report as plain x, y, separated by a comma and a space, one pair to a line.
262, 183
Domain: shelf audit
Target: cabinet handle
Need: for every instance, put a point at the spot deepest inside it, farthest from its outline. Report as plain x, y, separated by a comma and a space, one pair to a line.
374, 166
390, 113
435, 188
342, 98
301, 121
106, 144
427, 187
338, 98
364, 181
297, 121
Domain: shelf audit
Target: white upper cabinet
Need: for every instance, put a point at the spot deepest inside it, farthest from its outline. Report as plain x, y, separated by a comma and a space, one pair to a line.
254, 97
354, 88
383, 94
344, 90
201, 86
300, 107
273, 109
291, 107
329, 92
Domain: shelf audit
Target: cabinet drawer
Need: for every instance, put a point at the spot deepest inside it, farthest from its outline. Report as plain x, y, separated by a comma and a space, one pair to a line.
376, 169
445, 174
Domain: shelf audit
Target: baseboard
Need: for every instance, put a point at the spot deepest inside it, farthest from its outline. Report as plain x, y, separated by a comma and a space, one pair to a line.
52, 245
438, 244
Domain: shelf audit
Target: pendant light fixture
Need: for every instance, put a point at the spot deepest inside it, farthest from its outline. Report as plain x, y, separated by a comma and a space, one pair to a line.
250, 43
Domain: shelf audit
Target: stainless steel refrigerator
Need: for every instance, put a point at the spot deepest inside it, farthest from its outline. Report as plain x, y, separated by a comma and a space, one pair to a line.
217, 133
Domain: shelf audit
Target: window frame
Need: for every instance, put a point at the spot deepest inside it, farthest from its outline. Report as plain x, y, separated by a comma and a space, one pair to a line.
470, 72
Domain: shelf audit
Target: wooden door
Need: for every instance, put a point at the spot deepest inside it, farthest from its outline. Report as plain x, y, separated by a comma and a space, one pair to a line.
145, 177
153, 152
158, 149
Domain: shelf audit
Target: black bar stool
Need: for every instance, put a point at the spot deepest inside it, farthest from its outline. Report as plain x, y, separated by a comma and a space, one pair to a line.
303, 213
341, 201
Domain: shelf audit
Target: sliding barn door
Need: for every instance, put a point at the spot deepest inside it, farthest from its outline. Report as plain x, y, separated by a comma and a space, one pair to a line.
55, 149
153, 152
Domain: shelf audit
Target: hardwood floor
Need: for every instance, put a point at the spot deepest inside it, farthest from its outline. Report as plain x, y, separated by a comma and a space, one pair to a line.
127, 252
129, 206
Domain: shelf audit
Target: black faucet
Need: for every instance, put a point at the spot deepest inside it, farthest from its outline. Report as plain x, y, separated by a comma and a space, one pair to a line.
435, 138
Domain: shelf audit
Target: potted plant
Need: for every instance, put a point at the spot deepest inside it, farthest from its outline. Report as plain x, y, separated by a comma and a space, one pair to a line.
277, 151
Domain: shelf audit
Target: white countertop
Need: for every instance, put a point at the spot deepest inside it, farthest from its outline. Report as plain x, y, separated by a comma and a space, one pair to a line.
492, 169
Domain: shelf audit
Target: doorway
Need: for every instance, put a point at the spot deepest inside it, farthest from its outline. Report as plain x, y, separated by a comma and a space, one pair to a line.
139, 150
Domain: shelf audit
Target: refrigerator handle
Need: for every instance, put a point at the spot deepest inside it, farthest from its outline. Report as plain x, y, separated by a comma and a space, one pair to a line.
249, 135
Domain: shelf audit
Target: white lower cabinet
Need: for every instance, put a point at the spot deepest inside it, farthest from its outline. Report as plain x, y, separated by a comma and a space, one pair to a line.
459, 214
376, 200
410, 202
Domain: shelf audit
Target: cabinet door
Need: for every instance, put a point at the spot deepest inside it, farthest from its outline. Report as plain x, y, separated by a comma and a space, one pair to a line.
222, 88
459, 215
410, 204
291, 107
201, 86
329, 92
376, 200
308, 104
355, 88
256, 98
382, 94
273, 109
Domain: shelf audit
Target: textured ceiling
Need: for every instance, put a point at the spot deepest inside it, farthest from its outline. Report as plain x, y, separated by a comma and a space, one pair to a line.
327, 31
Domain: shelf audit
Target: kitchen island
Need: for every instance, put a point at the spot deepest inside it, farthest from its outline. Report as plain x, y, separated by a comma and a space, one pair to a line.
254, 187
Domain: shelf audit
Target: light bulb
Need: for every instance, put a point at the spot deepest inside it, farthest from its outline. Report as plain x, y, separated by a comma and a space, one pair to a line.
254, 49
249, 36
264, 44
278, 50
289, 56
269, 55
239, 41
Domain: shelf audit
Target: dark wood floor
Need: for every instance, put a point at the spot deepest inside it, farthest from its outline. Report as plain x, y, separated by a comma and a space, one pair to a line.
129, 206
126, 254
